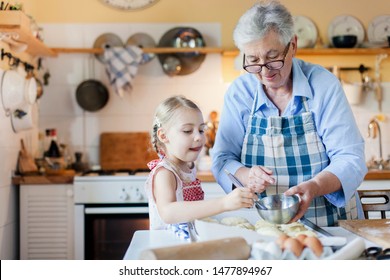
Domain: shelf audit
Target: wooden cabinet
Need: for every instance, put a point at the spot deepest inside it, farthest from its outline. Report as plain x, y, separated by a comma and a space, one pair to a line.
46, 222
16, 23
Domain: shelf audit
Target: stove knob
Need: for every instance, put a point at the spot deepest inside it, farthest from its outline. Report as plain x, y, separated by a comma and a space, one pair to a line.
124, 195
139, 196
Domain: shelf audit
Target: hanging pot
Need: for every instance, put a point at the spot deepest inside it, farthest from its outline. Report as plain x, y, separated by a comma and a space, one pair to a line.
12, 90
92, 95
183, 37
24, 117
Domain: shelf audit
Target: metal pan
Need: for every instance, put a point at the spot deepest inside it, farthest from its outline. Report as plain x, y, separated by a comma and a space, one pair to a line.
183, 37
92, 95
106, 40
143, 40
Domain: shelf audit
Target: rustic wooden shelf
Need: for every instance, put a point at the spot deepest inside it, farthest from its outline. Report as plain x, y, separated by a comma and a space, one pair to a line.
233, 53
157, 50
17, 22
331, 51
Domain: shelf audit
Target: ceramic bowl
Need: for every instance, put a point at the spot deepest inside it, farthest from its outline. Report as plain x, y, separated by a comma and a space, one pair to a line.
344, 41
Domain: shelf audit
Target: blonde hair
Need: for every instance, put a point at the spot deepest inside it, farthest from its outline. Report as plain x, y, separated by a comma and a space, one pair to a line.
164, 115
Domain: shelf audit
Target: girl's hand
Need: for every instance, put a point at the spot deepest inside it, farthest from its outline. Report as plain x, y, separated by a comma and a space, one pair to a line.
259, 178
239, 198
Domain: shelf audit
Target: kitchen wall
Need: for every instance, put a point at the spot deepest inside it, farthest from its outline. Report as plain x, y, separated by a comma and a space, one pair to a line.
80, 129
75, 23
9, 149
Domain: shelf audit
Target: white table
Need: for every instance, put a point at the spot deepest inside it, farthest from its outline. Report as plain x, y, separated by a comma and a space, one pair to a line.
147, 239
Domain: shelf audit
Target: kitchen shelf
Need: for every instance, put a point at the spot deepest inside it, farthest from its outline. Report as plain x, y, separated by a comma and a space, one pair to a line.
17, 22
233, 53
157, 50
330, 51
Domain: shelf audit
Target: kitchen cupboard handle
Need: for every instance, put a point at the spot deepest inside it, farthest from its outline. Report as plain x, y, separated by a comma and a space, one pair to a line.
116, 210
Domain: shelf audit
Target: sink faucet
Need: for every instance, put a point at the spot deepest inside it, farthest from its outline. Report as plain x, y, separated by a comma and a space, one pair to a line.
374, 130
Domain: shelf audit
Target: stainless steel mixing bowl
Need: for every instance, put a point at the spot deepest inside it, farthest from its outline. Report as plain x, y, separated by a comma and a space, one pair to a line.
278, 208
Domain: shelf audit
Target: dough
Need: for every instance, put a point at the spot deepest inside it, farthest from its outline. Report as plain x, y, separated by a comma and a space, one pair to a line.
305, 232
295, 229
210, 220
233, 221
263, 223
269, 231
246, 225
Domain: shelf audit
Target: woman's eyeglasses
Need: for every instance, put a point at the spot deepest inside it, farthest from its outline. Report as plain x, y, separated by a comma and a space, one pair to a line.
272, 65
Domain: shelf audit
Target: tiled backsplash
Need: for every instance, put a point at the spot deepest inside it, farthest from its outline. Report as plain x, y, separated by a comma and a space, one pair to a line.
133, 112
81, 130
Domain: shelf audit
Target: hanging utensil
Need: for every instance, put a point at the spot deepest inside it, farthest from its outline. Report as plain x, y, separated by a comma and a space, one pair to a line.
378, 87
104, 41
92, 95
183, 37
171, 65
143, 40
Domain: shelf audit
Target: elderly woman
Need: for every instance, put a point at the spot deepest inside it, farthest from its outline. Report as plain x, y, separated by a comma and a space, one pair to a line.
286, 127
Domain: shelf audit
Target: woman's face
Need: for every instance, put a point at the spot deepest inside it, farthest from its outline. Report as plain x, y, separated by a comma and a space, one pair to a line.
270, 49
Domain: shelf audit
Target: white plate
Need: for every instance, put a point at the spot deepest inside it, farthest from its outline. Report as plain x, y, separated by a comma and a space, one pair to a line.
346, 25
306, 31
379, 29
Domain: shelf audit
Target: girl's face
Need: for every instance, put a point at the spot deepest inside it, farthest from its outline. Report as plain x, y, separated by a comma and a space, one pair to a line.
185, 136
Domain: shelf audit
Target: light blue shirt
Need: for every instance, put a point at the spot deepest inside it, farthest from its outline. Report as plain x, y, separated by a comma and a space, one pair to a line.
333, 117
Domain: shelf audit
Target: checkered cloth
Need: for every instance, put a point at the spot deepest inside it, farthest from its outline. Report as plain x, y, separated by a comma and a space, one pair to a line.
121, 66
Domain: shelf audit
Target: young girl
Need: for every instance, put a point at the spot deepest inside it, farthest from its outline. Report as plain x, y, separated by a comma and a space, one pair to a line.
175, 194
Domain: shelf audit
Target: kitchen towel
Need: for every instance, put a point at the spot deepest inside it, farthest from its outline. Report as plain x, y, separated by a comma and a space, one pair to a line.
121, 66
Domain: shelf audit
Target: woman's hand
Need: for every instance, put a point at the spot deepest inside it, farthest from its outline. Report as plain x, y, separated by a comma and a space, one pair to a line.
239, 198
307, 192
259, 178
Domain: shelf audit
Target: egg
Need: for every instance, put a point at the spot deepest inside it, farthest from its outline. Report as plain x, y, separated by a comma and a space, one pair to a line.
281, 239
314, 244
293, 245
301, 237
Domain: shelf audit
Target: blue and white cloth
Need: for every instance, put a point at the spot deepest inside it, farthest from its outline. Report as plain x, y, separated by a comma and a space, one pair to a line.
181, 230
121, 66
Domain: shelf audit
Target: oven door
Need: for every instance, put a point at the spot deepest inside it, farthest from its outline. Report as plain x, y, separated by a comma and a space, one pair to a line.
104, 232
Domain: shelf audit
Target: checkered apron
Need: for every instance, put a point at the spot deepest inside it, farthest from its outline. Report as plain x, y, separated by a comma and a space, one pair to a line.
291, 147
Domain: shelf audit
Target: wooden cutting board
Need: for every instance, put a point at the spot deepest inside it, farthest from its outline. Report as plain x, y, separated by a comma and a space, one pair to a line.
377, 231
125, 150
234, 248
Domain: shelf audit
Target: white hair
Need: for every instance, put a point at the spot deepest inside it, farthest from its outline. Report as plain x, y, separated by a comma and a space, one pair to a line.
261, 18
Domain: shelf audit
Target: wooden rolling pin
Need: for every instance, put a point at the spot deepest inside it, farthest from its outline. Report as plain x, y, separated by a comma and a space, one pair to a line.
234, 248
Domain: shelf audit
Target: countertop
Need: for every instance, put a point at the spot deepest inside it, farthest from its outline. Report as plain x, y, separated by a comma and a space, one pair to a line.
148, 239
204, 176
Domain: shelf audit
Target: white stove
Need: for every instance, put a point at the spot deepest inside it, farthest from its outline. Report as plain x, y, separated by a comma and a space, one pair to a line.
103, 189
109, 208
